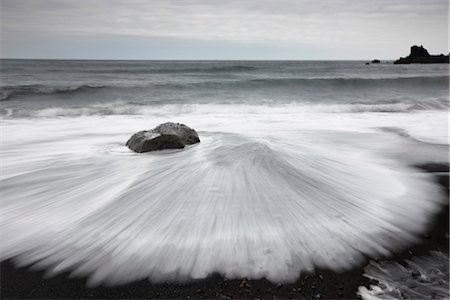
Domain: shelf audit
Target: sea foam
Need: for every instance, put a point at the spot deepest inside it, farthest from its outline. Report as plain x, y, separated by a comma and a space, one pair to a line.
276, 197
421, 278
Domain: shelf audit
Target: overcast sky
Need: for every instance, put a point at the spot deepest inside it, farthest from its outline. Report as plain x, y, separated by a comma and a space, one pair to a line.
224, 29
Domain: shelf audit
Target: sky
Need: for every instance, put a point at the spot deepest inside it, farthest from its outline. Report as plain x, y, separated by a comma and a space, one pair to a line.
223, 29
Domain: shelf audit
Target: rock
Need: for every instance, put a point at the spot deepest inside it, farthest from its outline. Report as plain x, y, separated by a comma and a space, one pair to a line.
375, 61
420, 55
165, 136
145, 141
367, 63
187, 135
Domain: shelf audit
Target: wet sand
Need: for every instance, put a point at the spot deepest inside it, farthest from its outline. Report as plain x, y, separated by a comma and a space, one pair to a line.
20, 283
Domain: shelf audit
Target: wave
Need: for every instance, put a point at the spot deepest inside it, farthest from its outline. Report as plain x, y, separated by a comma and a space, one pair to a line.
347, 82
334, 83
163, 70
133, 108
352, 84
8, 92
214, 69
237, 204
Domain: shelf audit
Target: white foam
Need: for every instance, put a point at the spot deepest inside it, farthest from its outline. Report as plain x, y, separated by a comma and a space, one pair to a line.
268, 195
423, 278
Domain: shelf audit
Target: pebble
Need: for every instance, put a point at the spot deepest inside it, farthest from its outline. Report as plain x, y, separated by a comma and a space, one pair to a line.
244, 284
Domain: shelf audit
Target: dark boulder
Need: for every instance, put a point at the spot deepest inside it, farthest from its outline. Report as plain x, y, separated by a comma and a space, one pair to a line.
165, 136
375, 61
187, 135
420, 55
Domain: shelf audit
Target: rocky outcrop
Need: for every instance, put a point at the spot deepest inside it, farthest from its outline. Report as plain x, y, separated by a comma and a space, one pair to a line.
420, 55
375, 61
165, 136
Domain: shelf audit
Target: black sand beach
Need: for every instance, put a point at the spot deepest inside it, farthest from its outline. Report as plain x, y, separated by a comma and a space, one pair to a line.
19, 283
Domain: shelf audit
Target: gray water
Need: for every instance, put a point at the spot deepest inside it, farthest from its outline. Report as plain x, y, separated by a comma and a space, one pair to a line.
300, 165
135, 87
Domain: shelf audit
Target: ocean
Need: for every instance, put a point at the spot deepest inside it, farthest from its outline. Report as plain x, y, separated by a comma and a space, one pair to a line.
301, 165
73, 88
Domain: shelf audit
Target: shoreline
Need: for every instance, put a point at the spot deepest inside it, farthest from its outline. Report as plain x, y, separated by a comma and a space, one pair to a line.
20, 283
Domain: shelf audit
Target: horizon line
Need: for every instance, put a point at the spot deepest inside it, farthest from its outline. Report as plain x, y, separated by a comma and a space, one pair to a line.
195, 59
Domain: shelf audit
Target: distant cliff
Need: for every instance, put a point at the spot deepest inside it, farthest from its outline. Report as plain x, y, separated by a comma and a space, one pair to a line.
420, 55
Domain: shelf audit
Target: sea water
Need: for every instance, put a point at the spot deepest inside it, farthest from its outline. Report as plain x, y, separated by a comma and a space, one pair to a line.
301, 164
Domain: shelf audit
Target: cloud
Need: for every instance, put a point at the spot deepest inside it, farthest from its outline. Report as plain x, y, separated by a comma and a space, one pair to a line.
340, 23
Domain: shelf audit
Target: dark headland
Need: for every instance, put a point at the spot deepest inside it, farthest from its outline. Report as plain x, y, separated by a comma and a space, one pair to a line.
420, 55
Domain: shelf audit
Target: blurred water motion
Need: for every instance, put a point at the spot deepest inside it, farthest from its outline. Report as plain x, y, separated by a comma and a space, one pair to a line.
423, 277
270, 198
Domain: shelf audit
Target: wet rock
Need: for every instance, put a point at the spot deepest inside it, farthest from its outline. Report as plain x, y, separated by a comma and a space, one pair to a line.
144, 141
375, 61
186, 134
165, 136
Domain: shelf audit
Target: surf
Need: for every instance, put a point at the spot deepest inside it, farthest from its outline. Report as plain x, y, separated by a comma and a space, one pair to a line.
270, 202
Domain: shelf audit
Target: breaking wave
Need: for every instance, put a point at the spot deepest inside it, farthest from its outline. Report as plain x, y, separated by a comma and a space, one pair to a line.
130, 108
8, 92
